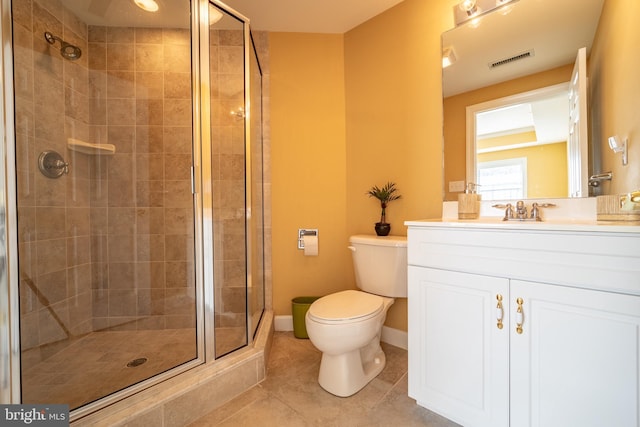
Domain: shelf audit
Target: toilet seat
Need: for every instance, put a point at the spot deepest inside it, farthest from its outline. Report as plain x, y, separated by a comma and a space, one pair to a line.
346, 307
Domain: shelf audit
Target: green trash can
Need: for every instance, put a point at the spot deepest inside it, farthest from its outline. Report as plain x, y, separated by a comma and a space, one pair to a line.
299, 307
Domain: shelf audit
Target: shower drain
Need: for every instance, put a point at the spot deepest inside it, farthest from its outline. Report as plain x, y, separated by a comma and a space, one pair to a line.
136, 362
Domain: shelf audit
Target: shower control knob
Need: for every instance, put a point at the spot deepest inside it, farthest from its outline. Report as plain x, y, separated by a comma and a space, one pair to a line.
59, 164
52, 165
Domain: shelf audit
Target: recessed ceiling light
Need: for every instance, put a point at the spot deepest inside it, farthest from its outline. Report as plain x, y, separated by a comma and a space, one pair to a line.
214, 15
148, 5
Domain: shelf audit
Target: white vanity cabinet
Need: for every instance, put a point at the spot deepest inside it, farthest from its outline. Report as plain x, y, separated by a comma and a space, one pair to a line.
563, 349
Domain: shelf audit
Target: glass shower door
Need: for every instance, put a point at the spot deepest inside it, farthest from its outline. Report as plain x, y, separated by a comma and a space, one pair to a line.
103, 101
256, 296
228, 166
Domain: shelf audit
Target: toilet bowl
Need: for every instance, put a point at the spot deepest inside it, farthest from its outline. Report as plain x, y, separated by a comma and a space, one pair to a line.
346, 326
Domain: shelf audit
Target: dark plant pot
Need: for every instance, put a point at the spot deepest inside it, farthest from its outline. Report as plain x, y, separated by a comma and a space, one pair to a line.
382, 228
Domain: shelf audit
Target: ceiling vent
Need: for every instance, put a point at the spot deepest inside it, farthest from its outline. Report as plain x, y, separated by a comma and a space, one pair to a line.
518, 57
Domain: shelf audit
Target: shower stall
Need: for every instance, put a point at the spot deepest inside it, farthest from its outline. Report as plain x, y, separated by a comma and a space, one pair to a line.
133, 201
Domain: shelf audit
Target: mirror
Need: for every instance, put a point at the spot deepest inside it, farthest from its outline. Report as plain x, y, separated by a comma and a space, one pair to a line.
521, 47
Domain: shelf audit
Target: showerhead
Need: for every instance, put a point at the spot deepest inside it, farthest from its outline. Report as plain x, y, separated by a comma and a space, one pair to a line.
70, 51
67, 50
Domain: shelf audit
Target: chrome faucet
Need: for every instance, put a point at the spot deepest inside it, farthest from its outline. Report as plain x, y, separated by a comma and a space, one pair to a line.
535, 211
508, 211
521, 213
521, 210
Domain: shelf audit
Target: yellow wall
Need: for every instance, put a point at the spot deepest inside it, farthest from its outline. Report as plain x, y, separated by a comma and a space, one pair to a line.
362, 108
455, 117
394, 118
615, 91
308, 165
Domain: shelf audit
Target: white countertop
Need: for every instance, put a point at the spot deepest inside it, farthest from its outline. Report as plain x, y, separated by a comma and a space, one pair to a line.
571, 225
569, 215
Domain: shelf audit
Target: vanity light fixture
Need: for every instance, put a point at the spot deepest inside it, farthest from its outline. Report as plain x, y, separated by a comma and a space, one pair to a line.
619, 147
147, 5
448, 57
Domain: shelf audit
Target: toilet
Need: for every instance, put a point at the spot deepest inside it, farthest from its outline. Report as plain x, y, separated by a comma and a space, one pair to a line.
346, 326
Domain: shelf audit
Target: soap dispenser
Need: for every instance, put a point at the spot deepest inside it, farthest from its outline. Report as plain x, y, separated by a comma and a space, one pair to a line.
469, 203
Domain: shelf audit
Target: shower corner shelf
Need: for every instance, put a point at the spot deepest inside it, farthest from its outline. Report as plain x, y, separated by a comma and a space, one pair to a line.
88, 148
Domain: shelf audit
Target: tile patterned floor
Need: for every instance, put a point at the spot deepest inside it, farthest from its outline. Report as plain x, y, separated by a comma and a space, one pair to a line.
291, 396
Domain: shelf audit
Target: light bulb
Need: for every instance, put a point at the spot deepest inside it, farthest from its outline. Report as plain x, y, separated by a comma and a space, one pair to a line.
147, 5
468, 6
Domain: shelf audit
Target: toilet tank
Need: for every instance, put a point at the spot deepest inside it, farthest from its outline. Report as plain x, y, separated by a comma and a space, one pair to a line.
380, 264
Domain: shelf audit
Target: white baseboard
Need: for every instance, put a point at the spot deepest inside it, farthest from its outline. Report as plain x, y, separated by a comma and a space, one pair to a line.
283, 323
395, 337
392, 336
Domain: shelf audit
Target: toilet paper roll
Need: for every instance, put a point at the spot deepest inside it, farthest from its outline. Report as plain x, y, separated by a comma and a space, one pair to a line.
310, 245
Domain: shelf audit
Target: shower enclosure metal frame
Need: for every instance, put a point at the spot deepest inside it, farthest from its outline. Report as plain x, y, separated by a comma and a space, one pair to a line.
10, 388
9, 303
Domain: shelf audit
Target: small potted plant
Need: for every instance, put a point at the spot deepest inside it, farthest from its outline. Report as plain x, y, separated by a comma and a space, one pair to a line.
386, 195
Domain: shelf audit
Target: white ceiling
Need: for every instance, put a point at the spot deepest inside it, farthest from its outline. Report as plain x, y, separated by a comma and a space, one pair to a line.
309, 16
326, 16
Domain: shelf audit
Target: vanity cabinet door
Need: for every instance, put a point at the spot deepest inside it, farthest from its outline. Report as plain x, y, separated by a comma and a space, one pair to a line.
458, 357
575, 362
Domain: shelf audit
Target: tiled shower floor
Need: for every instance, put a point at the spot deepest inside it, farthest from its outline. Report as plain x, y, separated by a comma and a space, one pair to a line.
96, 364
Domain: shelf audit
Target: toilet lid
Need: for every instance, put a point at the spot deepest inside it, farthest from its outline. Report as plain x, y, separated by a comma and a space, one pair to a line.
346, 306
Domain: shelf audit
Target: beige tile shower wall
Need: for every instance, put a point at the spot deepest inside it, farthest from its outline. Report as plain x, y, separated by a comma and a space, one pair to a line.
228, 156
142, 206
53, 214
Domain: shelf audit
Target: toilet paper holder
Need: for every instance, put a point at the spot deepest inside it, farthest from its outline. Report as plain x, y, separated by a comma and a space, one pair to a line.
305, 232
